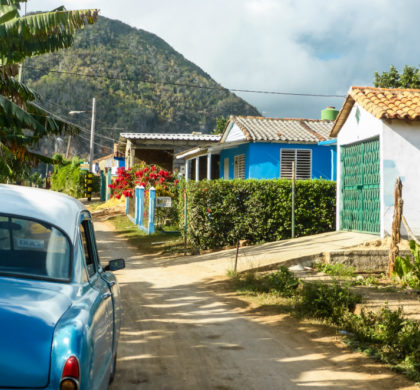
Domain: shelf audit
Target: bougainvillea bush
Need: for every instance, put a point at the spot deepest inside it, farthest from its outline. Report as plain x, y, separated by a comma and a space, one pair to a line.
222, 211
144, 175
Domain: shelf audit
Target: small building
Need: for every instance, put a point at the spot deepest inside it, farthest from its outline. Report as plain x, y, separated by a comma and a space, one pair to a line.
265, 148
111, 162
160, 148
378, 139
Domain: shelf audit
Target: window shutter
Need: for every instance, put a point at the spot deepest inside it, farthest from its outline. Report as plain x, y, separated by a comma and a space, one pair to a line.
302, 159
239, 172
287, 157
303, 165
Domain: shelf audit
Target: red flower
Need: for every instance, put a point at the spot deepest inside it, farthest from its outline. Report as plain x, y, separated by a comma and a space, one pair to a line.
143, 184
161, 180
118, 196
153, 168
176, 181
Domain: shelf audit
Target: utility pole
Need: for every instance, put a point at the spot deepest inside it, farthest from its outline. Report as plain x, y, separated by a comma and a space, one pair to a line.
92, 134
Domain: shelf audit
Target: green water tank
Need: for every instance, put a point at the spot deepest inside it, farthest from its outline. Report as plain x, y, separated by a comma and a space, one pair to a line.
329, 114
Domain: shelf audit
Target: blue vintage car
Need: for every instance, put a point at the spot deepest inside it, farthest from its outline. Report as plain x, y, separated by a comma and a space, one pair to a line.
59, 307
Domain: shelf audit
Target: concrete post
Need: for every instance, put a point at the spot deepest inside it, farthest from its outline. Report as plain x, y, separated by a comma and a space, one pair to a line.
187, 170
108, 182
141, 206
137, 205
152, 197
209, 166
197, 169
103, 186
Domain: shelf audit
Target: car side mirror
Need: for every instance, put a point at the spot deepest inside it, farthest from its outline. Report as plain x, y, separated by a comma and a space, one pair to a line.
115, 265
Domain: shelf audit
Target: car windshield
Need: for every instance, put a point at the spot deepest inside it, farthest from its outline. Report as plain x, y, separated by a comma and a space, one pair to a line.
31, 248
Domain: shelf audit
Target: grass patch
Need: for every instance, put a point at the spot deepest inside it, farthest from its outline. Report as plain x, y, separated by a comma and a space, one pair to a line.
340, 270
158, 243
386, 335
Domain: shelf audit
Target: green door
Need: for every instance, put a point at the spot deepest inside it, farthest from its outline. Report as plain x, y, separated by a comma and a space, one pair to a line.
360, 187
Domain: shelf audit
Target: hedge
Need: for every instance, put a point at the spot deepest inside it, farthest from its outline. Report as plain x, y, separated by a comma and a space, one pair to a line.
69, 179
220, 212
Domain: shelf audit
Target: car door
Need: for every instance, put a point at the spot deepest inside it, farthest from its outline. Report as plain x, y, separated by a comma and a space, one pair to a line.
101, 312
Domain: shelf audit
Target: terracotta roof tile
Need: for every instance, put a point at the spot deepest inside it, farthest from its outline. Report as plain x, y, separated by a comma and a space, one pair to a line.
385, 103
382, 103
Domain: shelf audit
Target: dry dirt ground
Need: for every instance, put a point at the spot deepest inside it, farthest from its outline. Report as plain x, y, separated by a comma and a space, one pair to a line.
178, 332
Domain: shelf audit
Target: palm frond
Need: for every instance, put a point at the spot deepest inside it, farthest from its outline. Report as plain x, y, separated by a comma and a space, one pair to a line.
15, 3
18, 92
8, 12
41, 33
13, 116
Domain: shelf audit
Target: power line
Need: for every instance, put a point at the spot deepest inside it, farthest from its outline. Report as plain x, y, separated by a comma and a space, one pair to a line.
186, 85
82, 128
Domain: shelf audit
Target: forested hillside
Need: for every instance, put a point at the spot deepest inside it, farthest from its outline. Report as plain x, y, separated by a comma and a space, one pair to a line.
143, 88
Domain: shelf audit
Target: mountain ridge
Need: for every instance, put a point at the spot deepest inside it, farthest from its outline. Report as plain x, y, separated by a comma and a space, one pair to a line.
140, 82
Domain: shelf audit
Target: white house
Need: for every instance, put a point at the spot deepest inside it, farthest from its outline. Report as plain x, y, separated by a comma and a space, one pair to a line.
378, 140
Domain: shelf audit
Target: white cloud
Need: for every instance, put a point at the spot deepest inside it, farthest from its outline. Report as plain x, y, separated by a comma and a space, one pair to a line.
285, 45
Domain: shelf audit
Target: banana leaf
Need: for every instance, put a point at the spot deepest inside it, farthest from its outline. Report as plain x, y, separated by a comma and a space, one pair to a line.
41, 33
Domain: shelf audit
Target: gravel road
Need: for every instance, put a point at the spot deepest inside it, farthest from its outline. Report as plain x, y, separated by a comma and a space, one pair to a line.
179, 332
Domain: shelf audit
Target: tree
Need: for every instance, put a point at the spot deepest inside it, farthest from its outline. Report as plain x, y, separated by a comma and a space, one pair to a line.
410, 78
221, 123
22, 122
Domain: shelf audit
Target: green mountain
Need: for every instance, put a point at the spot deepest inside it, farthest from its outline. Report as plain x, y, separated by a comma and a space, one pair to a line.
139, 81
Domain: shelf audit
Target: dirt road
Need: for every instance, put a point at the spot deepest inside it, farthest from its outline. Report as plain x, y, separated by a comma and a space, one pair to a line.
178, 333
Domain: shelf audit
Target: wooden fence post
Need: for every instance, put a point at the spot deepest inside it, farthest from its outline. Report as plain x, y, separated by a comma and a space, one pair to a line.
396, 226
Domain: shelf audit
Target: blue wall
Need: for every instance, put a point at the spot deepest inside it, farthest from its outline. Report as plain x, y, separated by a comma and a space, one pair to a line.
262, 160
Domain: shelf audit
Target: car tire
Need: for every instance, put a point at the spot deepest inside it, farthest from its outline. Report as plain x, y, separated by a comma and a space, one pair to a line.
113, 368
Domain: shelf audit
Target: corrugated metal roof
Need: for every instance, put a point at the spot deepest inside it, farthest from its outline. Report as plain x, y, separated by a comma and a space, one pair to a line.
283, 129
172, 137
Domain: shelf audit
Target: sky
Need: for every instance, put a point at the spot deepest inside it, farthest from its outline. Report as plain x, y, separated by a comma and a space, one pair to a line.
293, 46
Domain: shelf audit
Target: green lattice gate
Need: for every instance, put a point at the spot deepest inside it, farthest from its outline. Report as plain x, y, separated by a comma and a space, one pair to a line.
360, 187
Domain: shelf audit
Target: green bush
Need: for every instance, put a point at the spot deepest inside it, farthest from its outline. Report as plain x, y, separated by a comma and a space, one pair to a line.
408, 271
388, 336
327, 301
282, 282
68, 178
222, 211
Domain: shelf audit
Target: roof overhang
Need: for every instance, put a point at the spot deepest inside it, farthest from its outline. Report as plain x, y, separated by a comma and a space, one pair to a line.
342, 115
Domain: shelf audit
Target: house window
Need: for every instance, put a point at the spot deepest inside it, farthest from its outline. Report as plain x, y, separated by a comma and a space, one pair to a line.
226, 168
239, 172
303, 163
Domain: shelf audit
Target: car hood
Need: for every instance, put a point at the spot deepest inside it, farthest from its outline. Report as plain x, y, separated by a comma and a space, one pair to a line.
29, 311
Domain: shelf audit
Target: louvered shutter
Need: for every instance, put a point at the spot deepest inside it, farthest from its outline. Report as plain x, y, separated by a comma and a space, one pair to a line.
239, 172
303, 163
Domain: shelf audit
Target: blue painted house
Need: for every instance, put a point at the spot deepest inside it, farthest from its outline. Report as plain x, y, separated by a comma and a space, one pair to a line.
265, 148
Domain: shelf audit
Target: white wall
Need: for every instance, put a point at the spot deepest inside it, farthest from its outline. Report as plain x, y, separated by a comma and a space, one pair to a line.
401, 157
235, 134
351, 132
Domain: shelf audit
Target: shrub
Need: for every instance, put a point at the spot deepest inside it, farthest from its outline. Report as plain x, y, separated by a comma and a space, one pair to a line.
409, 271
69, 178
222, 211
327, 301
389, 336
283, 282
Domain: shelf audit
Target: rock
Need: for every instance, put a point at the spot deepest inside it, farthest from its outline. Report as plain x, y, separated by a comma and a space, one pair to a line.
297, 267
